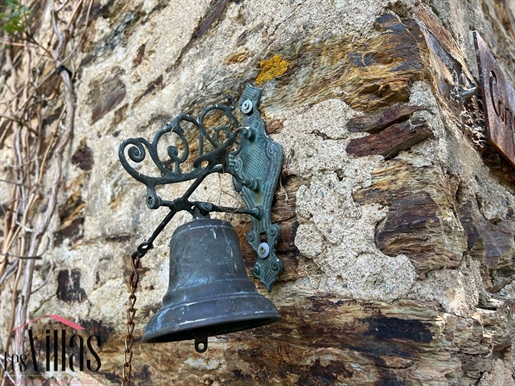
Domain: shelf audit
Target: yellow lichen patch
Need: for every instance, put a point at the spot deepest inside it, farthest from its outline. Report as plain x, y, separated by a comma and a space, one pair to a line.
272, 68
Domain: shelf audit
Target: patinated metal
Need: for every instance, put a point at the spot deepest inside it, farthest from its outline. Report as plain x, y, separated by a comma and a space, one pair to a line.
498, 100
209, 291
258, 160
243, 150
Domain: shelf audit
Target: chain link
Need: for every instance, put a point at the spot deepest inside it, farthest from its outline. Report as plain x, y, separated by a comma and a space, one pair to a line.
131, 311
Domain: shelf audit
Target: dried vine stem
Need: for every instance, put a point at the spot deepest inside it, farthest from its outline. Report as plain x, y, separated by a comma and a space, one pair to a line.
32, 176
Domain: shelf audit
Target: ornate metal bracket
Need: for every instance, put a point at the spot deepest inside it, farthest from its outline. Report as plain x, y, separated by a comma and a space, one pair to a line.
245, 151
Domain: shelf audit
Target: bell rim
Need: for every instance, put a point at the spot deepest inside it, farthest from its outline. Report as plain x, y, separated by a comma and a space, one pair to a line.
176, 330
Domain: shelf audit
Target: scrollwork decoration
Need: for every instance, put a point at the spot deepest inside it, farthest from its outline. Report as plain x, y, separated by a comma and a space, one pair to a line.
172, 169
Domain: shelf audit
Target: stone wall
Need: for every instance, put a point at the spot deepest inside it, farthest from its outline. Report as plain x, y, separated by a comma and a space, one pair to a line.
396, 216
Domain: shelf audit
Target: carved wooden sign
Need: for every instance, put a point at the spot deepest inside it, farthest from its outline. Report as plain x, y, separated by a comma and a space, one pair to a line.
498, 100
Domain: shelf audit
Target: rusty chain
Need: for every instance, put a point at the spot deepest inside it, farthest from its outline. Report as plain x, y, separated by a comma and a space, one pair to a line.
131, 311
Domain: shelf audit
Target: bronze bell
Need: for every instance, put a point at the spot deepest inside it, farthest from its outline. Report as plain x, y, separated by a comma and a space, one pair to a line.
209, 291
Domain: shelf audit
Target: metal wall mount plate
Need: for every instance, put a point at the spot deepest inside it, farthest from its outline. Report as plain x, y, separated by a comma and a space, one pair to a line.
259, 160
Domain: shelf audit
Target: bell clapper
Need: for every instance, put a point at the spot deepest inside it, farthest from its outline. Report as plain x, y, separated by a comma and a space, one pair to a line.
201, 344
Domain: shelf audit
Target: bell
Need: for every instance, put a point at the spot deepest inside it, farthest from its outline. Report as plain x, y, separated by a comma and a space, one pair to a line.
209, 291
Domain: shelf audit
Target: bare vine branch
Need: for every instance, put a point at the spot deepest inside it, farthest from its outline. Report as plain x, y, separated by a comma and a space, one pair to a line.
35, 159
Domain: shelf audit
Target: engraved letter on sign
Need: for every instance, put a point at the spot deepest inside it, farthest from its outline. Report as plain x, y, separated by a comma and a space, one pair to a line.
499, 101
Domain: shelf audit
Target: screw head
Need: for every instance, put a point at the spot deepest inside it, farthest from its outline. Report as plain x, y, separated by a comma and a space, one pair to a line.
263, 250
246, 106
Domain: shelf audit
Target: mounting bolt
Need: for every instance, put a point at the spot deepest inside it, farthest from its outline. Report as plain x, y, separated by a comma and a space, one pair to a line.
263, 250
468, 92
249, 134
246, 106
